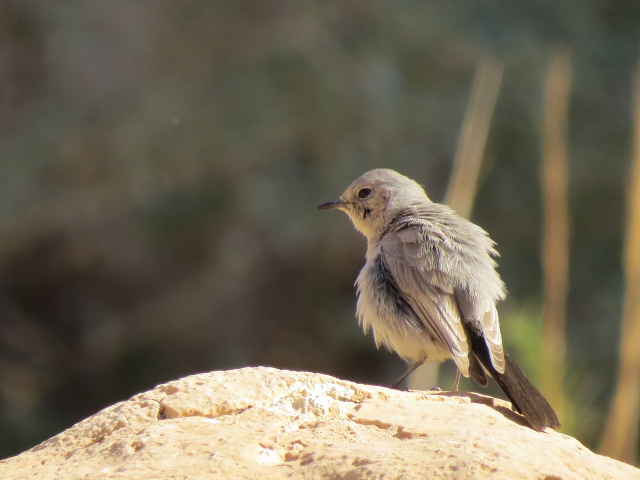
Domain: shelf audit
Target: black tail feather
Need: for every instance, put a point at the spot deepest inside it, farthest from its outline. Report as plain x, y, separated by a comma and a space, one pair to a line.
523, 395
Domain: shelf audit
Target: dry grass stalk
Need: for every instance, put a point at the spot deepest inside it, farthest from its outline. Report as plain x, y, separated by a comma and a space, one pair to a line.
473, 138
555, 241
620, 437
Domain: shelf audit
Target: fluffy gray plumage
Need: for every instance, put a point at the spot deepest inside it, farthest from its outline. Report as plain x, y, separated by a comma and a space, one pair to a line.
429, 287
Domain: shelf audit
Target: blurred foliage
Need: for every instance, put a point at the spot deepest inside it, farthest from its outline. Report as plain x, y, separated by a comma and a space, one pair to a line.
161, 162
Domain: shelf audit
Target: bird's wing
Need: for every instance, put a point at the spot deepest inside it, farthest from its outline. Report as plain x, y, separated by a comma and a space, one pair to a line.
491, 329
429, 291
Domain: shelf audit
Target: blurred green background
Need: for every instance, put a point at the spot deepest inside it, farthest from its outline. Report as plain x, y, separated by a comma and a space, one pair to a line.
161, 163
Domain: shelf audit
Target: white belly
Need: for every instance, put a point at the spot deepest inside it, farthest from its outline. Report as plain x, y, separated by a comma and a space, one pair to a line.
402, 334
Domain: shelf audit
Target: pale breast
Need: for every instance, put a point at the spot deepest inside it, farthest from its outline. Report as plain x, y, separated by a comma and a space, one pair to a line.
382, 309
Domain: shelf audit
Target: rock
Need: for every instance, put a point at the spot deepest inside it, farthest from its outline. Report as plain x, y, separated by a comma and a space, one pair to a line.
264, 423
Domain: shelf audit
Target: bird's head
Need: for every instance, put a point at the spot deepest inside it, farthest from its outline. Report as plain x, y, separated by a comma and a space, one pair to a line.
375, 198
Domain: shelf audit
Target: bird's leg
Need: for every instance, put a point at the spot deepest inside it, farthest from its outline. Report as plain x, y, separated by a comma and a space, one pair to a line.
457, 384
398, 381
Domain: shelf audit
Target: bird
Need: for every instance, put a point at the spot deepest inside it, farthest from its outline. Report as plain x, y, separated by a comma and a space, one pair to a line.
429, 287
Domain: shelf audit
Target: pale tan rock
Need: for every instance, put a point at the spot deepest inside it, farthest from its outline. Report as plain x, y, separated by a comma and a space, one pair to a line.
263, 423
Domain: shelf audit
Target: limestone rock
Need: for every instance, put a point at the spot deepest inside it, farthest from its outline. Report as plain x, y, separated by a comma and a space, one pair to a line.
264, 423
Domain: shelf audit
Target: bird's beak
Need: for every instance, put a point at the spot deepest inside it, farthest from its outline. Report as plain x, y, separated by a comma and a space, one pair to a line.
328, 205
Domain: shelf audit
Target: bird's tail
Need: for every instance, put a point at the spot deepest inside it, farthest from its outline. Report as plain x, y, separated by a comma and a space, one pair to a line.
523, 395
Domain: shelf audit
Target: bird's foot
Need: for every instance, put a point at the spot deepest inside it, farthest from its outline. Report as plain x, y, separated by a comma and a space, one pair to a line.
396, 385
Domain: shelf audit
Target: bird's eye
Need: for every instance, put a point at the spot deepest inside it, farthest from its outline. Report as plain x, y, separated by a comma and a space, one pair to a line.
364, 192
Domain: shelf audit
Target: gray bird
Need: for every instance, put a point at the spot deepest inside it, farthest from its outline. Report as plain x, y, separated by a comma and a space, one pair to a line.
429, 287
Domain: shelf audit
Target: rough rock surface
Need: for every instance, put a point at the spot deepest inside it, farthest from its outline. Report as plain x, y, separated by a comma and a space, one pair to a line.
264, 423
